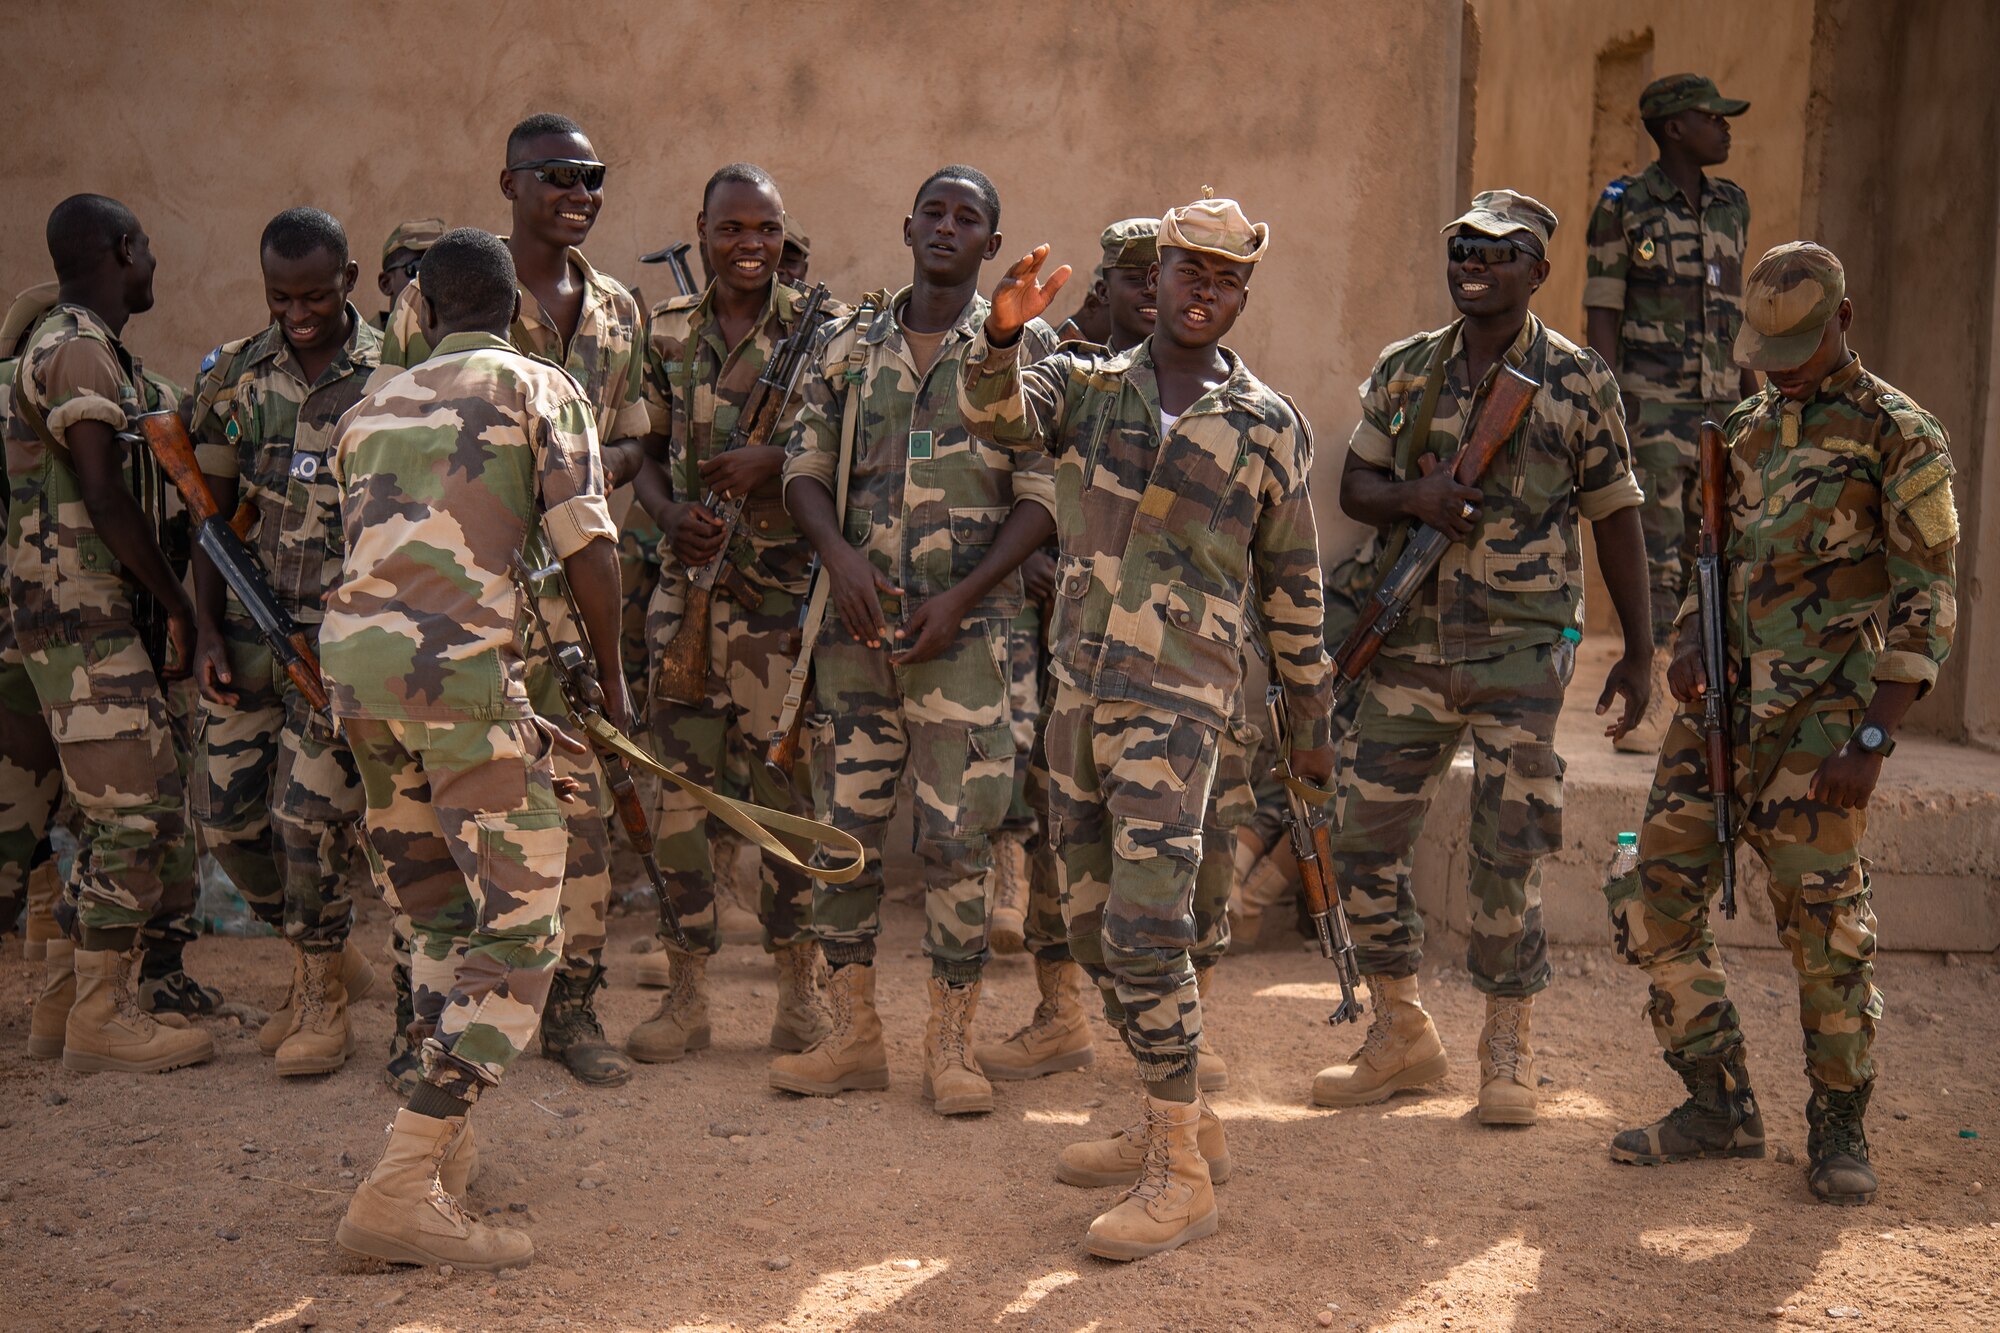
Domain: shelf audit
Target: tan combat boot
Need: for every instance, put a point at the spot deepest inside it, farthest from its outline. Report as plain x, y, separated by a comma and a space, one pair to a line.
403, 1214
851, 1058
107, 1031
680, 1025
459, 1167
1211, 1070
1401, 1050
1172, 1202
44, 887
321, 1038
1506, 1063
1098, 1163
801, 1019
952, 1080
1652, 729
357, 976
51, 1012
1007, 917
1056, 1038
736, 920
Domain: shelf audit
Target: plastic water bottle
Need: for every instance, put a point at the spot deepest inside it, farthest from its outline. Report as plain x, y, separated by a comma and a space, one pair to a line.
221, 907
1625, 859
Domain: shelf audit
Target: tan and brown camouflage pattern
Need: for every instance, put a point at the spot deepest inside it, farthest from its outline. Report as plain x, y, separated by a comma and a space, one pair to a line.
1791, 294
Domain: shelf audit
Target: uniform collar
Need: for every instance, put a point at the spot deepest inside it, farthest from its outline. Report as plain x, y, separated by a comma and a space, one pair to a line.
778, 306
1238, 388
1662, 185
595, 295
965, 326
453, 343
271, 346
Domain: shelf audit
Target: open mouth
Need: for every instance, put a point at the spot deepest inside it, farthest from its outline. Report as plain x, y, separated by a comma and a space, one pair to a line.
1475, 288
1196, 316
749, 264
1149, 312
301, 333
574, 216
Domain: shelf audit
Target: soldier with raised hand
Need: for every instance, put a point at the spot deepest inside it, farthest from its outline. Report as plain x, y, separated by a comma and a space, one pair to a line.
448, 472
1182, 485
86, 573
912, 669
704, 354
401, 254
1663, 299
275, 788
590, 325
1488, 646
1841, 539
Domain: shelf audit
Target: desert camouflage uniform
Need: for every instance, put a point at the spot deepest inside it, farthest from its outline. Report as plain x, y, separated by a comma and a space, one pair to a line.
696, 387
1489, 644
924, 504
444, 468
270, 762
29, 782
1162, 542
1675, 274
606, 357
1842, 534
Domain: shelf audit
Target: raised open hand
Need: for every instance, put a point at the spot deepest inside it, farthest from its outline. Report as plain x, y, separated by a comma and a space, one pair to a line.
1022, 295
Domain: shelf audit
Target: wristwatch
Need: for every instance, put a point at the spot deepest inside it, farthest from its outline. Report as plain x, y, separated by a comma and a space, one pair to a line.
1871, 738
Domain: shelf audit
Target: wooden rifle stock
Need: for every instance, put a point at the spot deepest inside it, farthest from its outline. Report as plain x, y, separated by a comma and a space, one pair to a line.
1711, 601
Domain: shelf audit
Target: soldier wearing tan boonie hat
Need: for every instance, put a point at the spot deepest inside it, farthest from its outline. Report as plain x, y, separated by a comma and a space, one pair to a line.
1508, 213
1215, 227
25, 313
1790, 297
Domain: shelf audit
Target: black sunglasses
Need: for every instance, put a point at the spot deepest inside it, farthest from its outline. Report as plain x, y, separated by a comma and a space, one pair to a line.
1486, 249
565, 173
408, 270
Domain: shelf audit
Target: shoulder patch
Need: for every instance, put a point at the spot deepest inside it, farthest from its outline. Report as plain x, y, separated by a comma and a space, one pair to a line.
1617, 188
1912, 421
208, 362
1923, 493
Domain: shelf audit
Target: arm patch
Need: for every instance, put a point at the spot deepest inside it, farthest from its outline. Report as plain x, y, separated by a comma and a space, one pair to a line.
1923, 494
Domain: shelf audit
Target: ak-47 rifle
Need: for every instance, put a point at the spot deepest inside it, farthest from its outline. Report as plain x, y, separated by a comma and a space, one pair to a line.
1493, 424
1711, 574
683, 673
675, 257
781, 755
165, 435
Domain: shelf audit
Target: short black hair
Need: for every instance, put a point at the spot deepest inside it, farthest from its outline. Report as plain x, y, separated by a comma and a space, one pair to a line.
298, 232
537, 125
1656, 128
981, 185
468, 277
84, 227
737, 173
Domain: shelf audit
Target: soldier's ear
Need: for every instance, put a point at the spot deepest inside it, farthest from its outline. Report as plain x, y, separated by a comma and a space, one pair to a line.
993, 245
507, 184
1539, 276
352, 276
1844, 312
514, 312
908, 243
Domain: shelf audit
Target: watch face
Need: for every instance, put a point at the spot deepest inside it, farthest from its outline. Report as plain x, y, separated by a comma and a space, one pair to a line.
1871, 737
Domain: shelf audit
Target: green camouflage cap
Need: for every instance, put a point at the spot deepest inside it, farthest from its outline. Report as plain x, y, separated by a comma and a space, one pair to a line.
1506, 212
795, 235
1787, 300
25, 313
417, 235
1133, 243
1215, 227
1686, 92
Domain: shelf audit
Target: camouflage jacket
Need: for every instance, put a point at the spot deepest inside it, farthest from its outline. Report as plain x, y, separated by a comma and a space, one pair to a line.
926, 498
442, 472
1163, 540
1841, 537
257, 420
696, 387
1518, 580
64, 585
1677, 277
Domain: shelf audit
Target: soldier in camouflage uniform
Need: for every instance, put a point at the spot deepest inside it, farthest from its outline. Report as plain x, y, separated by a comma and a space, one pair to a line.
795, 261
912, 669
461, 463
704, 355
1487, 646
88, 581
589, 324
1841, 603
1664, 297
275, 789
401, 253
1181, 484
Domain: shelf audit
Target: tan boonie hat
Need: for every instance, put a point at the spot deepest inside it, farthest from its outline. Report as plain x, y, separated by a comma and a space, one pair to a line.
1133, 243
795, 235
25, 313
1505, 213
417, 235
1686, 92
1215, 227
1787, 300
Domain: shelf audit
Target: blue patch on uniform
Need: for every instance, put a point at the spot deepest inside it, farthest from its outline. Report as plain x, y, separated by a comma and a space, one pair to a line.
1614, 190
208, 362
305, 467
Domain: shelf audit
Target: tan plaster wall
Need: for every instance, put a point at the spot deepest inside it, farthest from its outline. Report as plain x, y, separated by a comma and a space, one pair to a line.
208, 118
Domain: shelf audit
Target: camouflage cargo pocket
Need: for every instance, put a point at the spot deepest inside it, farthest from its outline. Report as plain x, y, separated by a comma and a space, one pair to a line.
1199, 636
1532, 803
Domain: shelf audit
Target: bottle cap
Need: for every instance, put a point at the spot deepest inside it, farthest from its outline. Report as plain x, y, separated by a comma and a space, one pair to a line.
1628, 840
1573, 634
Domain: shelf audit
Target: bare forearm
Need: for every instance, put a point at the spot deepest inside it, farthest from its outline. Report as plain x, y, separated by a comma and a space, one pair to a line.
650, 484
811, 507
1601, 328
1621, 558
621, 461
1369, 495
593, 580
1891, 702
1027, 527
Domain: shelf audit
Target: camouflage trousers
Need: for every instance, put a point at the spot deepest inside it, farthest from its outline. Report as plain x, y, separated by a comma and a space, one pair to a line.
277, 797
946, 723
1128, 790
120, 742
30, 785
586, 808
467, 838
720, 743
1666, 454
1403, 742
638, 576
1819, 894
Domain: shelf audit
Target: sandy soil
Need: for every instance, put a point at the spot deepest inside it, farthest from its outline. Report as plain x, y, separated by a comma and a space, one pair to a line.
696, 1198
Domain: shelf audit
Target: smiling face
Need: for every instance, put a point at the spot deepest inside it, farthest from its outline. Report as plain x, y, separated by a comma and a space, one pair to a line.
307, 297
742, 230
1200, 295
1133, 302
550, 213
950, 233
1486, 285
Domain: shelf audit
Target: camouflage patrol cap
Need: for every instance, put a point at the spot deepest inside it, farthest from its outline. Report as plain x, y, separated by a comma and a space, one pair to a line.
1215, 227
1787, 300
795, 236
1507, 213
25, 313
1686, 92
416, 235
1133, 243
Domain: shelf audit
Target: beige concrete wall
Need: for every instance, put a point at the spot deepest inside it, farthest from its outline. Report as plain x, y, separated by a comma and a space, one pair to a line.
208, 118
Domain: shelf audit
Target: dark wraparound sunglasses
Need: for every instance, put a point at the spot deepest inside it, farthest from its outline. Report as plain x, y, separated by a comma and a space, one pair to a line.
1487, 250
565, 173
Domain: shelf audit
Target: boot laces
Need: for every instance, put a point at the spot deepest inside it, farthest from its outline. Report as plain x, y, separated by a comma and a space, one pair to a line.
125, 998
680, 994
1838, 1126
1378, 1033
840, 1006
952, 1024
1154, 1176
802, 971
1504, 1045
311, 995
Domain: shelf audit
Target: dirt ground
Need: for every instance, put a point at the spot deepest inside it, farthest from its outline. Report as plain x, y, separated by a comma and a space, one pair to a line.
695, 1198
